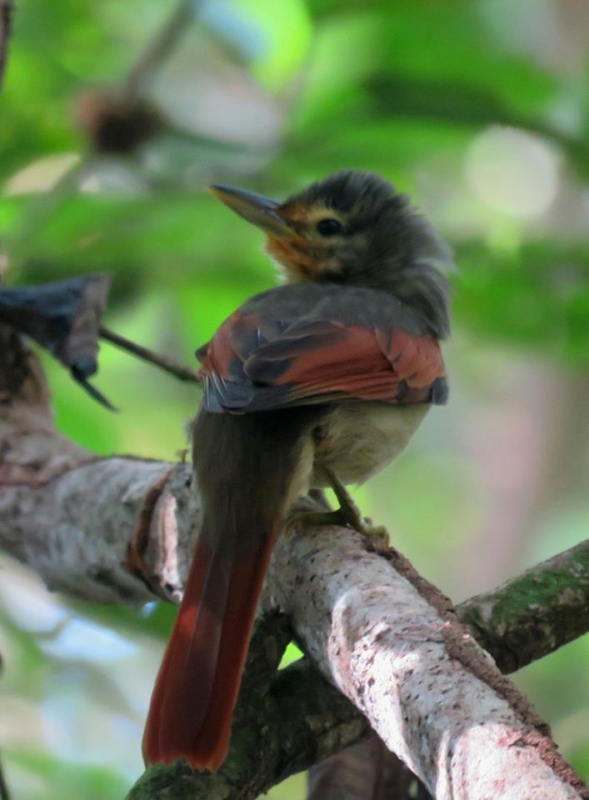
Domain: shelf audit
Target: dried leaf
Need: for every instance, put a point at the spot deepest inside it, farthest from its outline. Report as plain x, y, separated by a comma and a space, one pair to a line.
115, 124
64, 318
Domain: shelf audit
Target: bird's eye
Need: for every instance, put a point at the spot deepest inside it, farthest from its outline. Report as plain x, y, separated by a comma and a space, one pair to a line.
329, 227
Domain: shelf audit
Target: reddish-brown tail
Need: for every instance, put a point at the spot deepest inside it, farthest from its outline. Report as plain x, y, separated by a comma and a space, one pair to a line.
198, 682
246, 467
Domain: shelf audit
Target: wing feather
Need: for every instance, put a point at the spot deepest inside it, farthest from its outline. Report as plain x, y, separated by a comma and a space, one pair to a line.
256, 362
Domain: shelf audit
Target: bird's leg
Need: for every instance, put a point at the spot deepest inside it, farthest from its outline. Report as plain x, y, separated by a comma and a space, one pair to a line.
347, 514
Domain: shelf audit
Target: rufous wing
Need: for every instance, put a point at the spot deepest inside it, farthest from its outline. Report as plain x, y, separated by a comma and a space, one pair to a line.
250, 366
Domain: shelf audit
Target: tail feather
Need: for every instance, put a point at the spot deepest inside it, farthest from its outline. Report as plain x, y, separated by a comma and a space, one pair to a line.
198, 683
249, 469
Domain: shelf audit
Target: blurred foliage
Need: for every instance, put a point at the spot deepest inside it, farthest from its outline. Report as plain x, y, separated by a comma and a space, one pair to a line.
271, 96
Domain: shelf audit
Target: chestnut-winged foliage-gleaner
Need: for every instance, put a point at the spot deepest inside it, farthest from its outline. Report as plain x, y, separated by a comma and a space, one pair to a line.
320, 381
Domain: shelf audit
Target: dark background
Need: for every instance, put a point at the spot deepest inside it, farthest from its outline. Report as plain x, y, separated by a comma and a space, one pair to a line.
480, 111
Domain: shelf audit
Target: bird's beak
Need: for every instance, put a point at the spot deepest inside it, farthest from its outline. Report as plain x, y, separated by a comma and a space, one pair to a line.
255, 208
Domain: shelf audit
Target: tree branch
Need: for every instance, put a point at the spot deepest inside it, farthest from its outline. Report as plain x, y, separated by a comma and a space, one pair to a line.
393, 646
157, 50
535, 613
375, 628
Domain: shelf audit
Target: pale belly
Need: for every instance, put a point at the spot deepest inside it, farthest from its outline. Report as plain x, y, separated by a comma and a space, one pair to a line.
359, 439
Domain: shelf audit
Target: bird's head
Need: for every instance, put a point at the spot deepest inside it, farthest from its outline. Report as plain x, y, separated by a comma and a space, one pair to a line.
353, 228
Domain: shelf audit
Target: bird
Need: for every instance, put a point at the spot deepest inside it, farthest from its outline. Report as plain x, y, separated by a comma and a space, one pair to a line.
319, 381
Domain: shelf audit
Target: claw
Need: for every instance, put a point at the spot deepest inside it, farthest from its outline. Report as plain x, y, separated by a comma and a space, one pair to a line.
351, 515
348, 515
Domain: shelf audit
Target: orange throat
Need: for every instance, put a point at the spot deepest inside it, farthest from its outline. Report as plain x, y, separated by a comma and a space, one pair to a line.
296, 256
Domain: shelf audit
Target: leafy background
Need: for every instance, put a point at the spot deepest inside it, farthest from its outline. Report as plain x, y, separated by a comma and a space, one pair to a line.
479, 110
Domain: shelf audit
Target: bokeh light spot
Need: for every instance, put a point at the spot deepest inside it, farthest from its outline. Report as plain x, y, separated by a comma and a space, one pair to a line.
513, 172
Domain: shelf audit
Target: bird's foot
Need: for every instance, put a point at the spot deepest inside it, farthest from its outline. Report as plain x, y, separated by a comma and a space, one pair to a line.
299, 517
347, 515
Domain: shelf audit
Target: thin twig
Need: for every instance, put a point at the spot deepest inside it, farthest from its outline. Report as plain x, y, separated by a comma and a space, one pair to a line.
6, 12
157, 50
166, 363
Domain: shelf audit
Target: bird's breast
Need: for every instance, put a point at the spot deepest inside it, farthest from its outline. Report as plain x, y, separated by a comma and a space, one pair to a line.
355, 440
